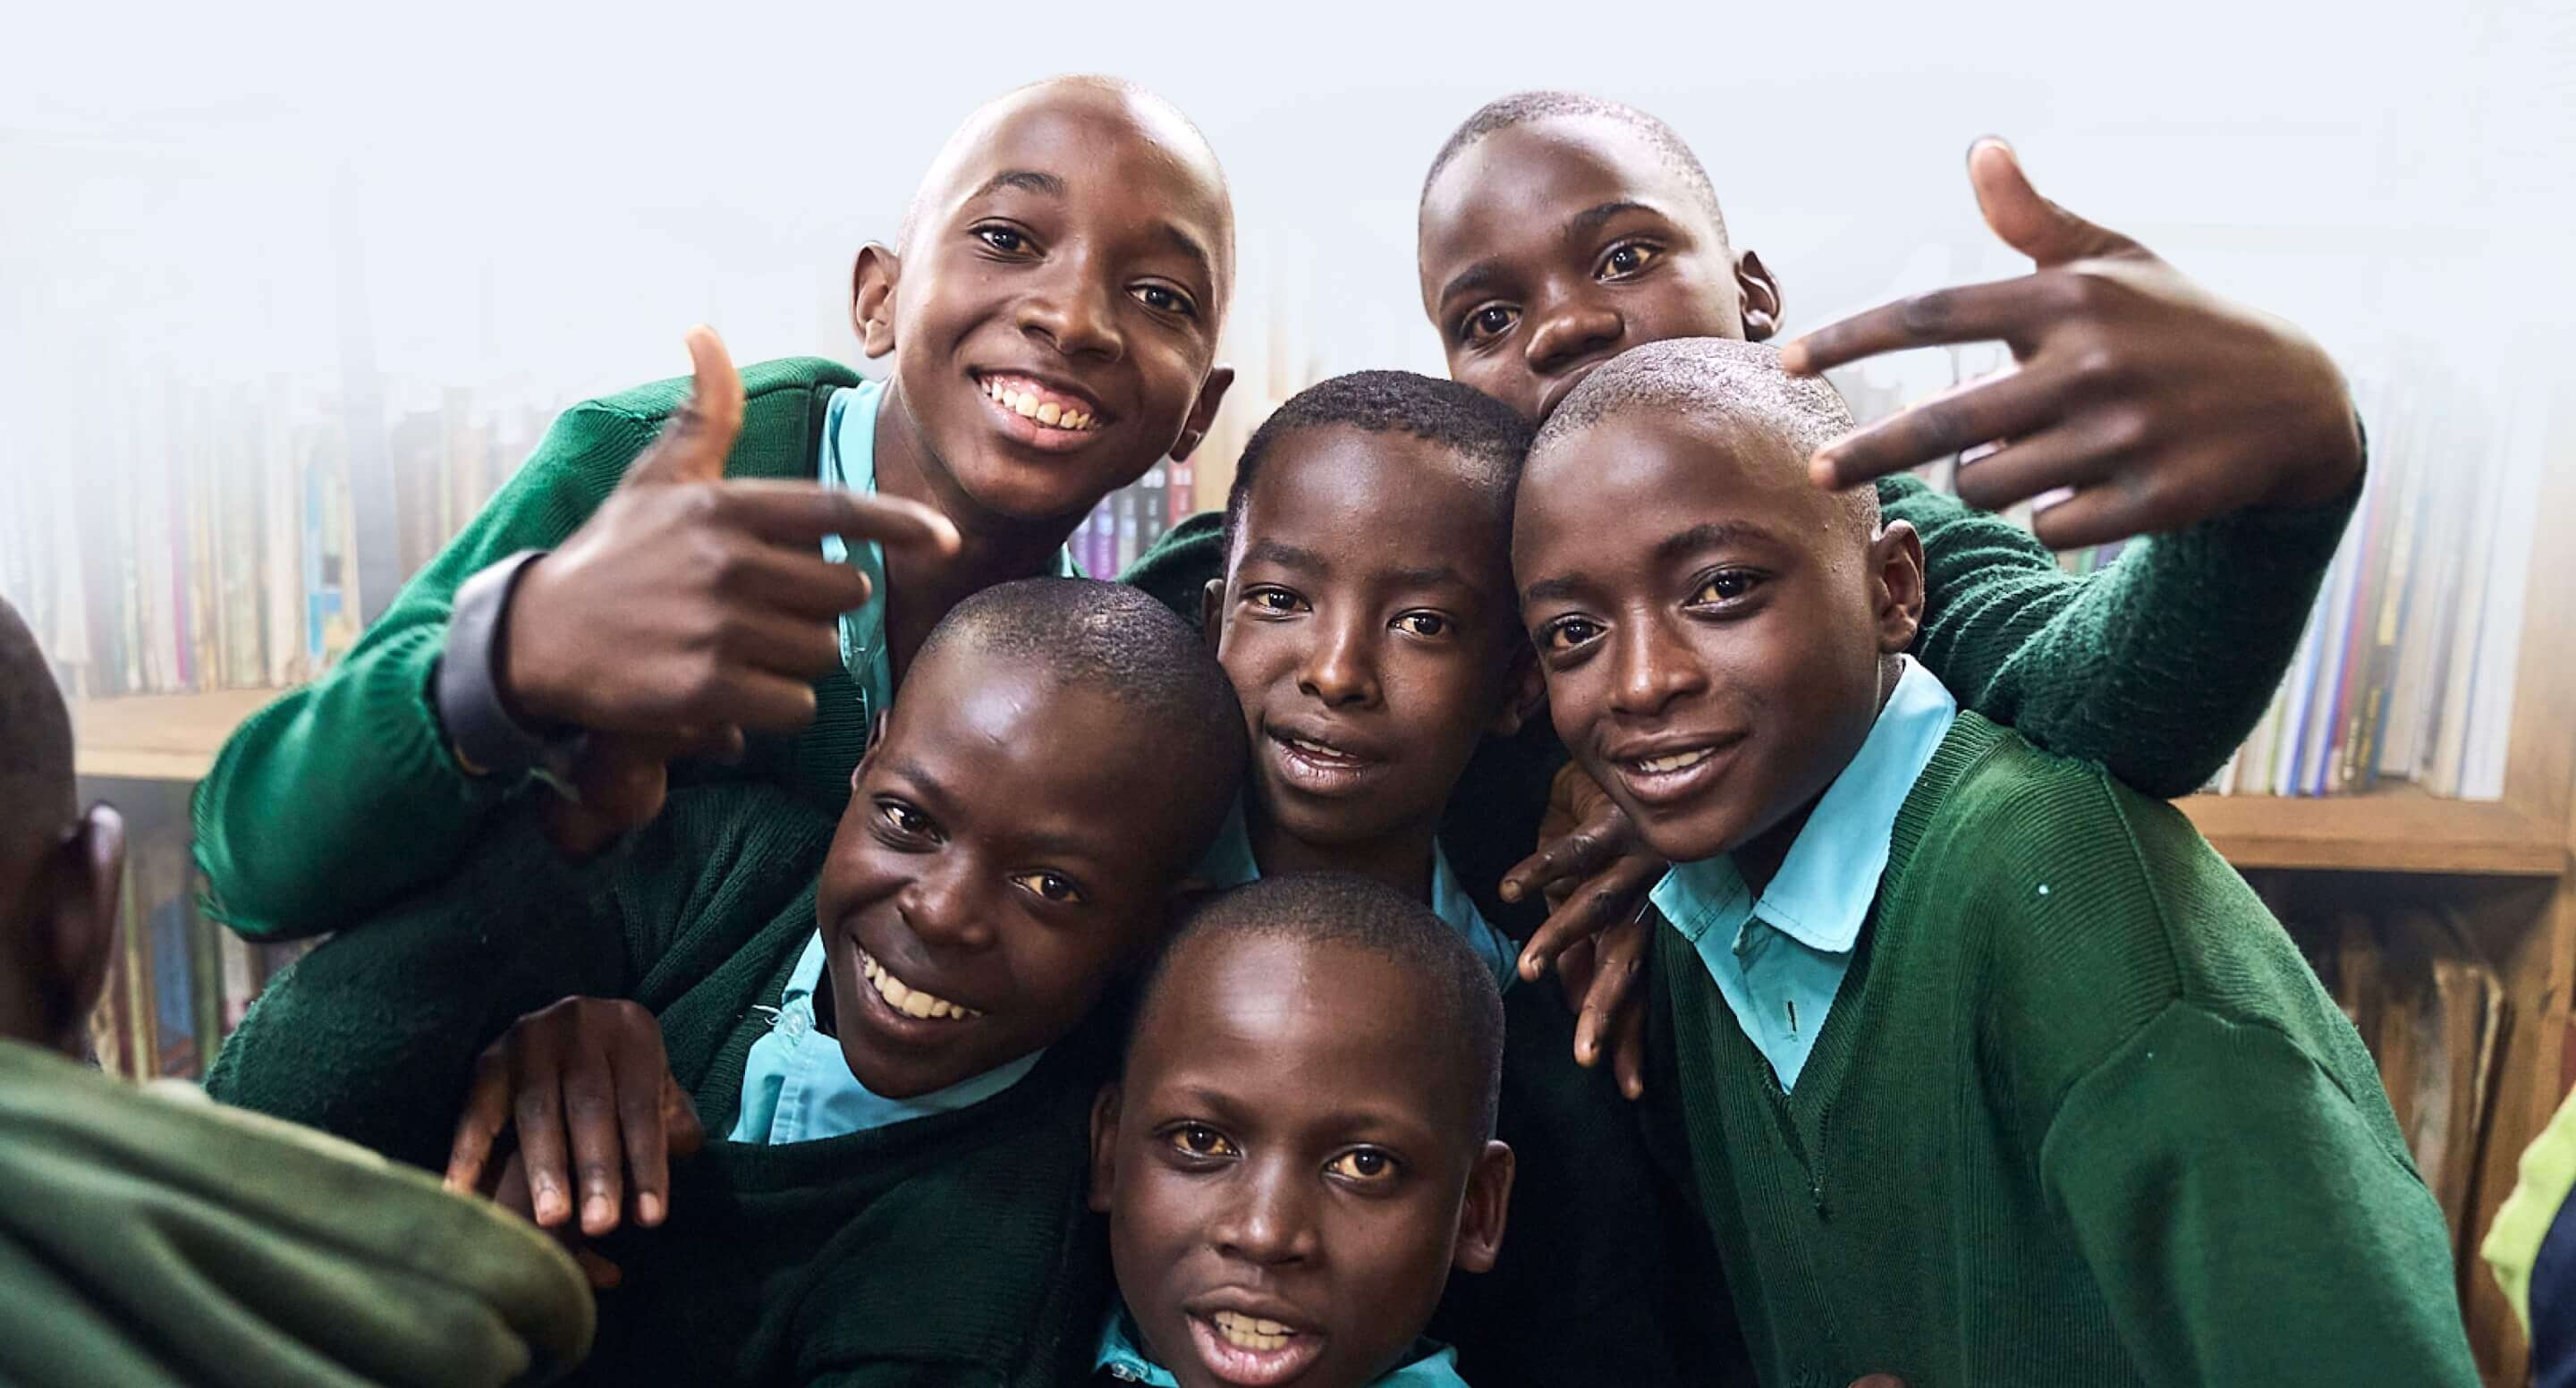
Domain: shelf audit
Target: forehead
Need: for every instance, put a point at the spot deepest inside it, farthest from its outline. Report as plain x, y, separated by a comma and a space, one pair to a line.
1288, 1025
1530, 178
1116, 152
1643, 471
1015, 752
1380, 500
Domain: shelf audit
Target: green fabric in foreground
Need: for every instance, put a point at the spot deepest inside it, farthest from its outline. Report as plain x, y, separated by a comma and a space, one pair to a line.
148, 1236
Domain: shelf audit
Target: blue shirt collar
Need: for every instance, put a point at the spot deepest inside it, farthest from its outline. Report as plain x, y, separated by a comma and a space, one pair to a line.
849, 461
1228, 862
797, 1085
1433, 1366
1823, 890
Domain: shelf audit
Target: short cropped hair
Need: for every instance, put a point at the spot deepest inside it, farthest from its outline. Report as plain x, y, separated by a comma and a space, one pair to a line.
1112, 639
1483, 432
35, 741
1460, 1005
1710, 378
1521, 108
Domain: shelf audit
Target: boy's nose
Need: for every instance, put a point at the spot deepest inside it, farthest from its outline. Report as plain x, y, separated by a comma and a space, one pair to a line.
1271, 1224
1572, 332
943, 914
1651, 672
1338, 669
1076, 312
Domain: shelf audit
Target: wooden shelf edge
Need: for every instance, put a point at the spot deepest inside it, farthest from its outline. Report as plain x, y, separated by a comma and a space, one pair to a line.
159, 737
2398, 830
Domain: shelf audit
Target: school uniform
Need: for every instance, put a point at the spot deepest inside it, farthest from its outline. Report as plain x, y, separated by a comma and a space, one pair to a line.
822, 1236
1122, 1360
344, 795
2004, 1077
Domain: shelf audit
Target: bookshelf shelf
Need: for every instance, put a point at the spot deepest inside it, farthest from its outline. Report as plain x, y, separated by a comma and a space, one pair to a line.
2400, 828
159, 737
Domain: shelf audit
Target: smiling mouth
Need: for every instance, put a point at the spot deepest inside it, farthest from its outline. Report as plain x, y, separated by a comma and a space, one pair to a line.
910, 1001
1316, 765
1669, 776
1041, 404
1253, 1350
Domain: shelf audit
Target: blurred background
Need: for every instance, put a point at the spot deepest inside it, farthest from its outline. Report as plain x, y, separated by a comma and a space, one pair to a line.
289, 288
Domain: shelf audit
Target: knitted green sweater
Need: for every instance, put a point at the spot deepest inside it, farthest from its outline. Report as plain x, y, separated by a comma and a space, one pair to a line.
2080, 1115
954, 1249
341, 797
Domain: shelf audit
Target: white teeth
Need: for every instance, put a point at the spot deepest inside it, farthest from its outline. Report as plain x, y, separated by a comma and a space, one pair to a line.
911, 1002
1031, 405
1251, 1332
1027, 405
1656, 766
1048, 413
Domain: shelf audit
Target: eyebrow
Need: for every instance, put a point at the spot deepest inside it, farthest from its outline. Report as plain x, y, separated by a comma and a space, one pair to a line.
1431, 576
1674, 546
1286, 556
1026, 180
1476, 278
1591, 219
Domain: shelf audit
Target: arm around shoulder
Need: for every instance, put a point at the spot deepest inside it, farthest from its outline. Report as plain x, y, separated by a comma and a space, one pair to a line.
344, 795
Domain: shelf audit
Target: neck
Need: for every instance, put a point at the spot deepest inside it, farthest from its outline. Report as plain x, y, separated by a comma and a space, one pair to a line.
993, 548
1401, 860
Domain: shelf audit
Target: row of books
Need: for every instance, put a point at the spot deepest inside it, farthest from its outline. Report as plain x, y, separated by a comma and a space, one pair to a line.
1128, 521
2406, 670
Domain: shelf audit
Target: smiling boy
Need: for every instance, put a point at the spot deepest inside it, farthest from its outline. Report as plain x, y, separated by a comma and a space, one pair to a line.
1987, 1069
1300, 1145
897, 1054
1051, 311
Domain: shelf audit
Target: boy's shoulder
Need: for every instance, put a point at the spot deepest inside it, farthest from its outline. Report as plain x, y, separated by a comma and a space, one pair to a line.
784, 402
787, 377
2088, 909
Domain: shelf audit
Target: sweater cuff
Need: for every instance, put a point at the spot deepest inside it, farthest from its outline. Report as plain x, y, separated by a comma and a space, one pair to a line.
475, 722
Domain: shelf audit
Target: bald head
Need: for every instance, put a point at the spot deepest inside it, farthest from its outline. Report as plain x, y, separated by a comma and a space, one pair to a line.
58, 868
1713, 380
35, 748
1109, 108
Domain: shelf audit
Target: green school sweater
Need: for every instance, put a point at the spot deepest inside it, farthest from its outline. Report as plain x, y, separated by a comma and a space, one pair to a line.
2080, 1115
953, 1249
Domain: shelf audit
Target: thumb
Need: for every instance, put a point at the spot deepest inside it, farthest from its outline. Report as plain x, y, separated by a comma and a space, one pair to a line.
701, 432
2027, 222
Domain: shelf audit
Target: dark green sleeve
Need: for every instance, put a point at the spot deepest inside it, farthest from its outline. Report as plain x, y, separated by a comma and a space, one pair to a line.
2156, 666
342, 796
2244, 1218
1177, 569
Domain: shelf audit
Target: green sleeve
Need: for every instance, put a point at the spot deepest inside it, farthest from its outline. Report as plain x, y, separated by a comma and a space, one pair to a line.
2156, 666
2245, 1220
343, 796
1177, 569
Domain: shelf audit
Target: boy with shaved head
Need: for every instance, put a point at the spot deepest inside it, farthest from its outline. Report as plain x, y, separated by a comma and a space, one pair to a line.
743, 568
1984, 1067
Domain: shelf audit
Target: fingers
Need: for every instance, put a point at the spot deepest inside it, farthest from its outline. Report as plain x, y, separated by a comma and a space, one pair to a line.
1628, 1048
642, 1078
1617, 956
2097, 516
1569, 858
2014, 403
2002, 310
603, 1274
680, 1119
592, 1116
700, 433
2074, 454
805, 512
487, 1112
537, 1109
1611, 896
2027, 222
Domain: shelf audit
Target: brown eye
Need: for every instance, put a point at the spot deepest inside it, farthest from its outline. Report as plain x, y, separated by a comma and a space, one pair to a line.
1491, 321
1004, 239
1423, 624
1566, 633
1366, 1165
1164, 299
1051, 886
1729, 585
1627, 258
1200, 1140
904, 820
1273, 600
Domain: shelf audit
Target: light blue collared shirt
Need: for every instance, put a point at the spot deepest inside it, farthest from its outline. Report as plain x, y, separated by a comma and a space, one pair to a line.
1123, 1359
1228, 863
849, 461
1780, 960
797, 1085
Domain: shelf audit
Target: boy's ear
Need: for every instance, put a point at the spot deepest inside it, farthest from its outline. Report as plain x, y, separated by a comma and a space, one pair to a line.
1896, 564
1486, 1209
1525, 691
1212, 612
872, 298
1104, 1147
77, 931
1760, 295
1203, 414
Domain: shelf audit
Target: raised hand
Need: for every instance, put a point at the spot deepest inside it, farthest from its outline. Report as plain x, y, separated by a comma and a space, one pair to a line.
1595, 875
588, 1089
2156, 403
689, 608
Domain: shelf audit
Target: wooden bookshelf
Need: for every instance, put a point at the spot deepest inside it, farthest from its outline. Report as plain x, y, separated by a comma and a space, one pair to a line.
159, 737
2399, 828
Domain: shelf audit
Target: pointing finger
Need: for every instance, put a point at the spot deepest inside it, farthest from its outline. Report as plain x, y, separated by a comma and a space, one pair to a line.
1979, 412
803, 512
2005, 310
